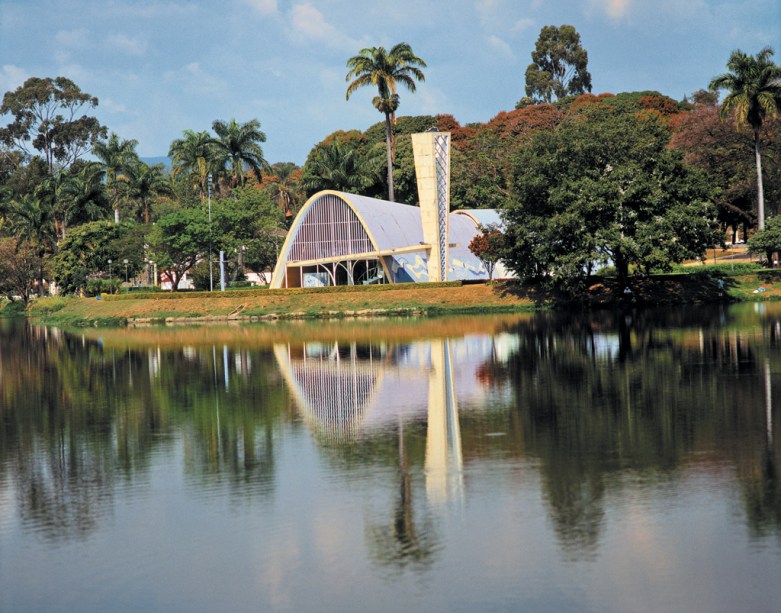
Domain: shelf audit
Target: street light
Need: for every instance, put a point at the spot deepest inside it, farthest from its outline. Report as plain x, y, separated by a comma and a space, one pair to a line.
125, 261
110, 278
211, 277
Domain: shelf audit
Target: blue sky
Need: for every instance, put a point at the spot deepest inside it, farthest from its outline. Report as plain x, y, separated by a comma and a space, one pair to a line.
160, 67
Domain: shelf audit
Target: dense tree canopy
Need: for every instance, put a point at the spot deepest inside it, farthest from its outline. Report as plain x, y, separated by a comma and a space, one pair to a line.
604, 188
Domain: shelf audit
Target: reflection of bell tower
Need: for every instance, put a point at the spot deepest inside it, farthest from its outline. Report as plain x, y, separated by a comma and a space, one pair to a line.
432, 168
444, 462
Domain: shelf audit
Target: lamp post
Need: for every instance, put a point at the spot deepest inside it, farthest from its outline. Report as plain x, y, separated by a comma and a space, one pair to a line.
125, 262
209, 191
110, 277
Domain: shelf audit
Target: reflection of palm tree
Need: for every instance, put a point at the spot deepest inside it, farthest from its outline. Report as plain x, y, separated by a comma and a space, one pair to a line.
401, 542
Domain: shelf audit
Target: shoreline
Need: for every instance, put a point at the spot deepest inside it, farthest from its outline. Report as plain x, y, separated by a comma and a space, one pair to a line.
365, 302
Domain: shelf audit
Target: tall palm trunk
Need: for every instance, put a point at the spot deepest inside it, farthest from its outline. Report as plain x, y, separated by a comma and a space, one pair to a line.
388, 140
760, 191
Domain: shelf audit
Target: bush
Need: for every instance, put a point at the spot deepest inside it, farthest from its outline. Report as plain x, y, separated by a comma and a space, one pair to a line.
102, 286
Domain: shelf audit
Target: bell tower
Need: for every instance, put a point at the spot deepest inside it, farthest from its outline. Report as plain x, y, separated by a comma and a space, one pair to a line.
432, 169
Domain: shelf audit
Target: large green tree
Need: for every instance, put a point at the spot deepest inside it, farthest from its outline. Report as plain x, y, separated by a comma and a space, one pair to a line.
238, 146
559, 65
249, 226
19, 269
604, 188
753, 86
178, 240
377, 67
85, 253
768, 240
47, 116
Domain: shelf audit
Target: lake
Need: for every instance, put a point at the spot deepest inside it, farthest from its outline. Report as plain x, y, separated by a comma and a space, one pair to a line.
611, 461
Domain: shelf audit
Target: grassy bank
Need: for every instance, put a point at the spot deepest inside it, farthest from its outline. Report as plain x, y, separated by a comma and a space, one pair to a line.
428, 299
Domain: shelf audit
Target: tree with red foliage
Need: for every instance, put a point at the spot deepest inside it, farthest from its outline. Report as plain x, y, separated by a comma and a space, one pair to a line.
487, 247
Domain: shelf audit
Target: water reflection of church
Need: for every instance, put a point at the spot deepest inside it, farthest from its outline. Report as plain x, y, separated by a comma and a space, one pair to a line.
347, 391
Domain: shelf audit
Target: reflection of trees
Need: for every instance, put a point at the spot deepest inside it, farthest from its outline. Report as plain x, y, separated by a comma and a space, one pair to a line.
77, 419
638, 391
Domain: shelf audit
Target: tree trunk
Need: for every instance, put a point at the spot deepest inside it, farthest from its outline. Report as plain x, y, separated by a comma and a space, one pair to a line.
622, 270
388, 138
760, 192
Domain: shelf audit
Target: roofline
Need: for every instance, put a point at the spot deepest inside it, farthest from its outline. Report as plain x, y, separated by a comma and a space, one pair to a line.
282, 262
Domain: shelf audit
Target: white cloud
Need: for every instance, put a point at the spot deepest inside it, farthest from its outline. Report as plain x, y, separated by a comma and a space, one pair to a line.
11, 77
498, 45
72, 39
624, 10
114, 107
264, 7
128, 44
193, 79
310, 25
523, 24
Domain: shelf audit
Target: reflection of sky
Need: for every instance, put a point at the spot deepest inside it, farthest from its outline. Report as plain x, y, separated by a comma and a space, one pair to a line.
665, 546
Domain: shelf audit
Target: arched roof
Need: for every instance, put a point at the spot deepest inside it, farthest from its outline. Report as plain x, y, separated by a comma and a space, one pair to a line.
377, 227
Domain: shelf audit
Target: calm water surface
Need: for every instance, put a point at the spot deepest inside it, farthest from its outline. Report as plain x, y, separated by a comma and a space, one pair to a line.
610, 462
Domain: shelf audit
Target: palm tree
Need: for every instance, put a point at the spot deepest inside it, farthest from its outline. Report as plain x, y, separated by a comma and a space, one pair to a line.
83, 197
31, 221
194, 154
384, 69
239, 145
284, 187
117, 156
339, 166
754, 94
145, 184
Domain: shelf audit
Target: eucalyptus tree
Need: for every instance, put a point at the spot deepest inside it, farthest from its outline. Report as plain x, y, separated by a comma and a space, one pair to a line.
339, 166
377, 67
195, 155
559, 65
48, 117
145, 184
238, 146
117, 156
753, 86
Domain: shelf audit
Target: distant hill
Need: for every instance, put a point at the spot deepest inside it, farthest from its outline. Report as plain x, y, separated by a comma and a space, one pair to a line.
165, 161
